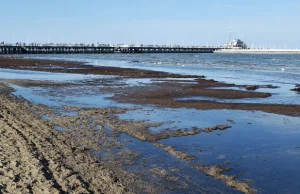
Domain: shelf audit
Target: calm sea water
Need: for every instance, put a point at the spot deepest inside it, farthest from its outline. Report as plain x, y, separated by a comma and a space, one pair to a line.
256, 67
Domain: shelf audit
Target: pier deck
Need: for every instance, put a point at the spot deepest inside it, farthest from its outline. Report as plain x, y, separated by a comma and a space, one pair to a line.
38, 49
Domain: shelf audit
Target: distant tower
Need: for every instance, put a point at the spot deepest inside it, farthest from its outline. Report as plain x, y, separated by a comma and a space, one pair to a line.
230, 32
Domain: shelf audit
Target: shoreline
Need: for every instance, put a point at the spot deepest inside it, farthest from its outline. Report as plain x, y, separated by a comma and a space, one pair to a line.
64, 157
62, 161
162, 92
63, 146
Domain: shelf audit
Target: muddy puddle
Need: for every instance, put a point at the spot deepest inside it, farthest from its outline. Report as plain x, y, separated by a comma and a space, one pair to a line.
33, 75
72, 96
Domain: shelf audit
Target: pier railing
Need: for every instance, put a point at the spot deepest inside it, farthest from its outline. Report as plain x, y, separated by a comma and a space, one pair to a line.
89, 49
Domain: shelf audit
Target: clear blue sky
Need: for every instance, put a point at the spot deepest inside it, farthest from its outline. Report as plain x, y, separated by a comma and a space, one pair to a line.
185, 22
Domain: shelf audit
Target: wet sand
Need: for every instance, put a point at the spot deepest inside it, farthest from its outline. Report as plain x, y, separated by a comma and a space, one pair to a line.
166, 93
34, 158
78, 68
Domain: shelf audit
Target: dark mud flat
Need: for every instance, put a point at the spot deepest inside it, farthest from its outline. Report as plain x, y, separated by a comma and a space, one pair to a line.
157, 143
79, 68
161, 93
168, 95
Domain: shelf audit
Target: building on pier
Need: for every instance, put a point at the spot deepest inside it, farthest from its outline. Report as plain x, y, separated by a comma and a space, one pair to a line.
235, 44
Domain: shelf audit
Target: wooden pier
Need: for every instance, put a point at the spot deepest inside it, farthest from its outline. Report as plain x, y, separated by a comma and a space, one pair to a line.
87, 49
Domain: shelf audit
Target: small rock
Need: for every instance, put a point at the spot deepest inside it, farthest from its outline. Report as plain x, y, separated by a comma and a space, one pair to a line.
247, 180
249, 87
296, 89
231, 121
175, 170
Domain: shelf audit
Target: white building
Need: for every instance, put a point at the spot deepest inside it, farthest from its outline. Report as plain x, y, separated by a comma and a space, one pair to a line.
235, 44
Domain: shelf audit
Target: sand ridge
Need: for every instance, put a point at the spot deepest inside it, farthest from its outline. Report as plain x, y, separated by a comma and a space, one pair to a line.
34, 158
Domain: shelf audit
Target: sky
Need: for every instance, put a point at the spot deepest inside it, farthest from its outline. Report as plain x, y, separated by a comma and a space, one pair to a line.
164, 22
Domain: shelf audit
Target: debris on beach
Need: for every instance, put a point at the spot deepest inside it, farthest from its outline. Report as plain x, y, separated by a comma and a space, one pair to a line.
297, 88
251, 87
217, 127
171, 150
217, 173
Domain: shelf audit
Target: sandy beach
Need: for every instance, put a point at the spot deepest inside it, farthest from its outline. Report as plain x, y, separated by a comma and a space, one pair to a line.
37, 159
